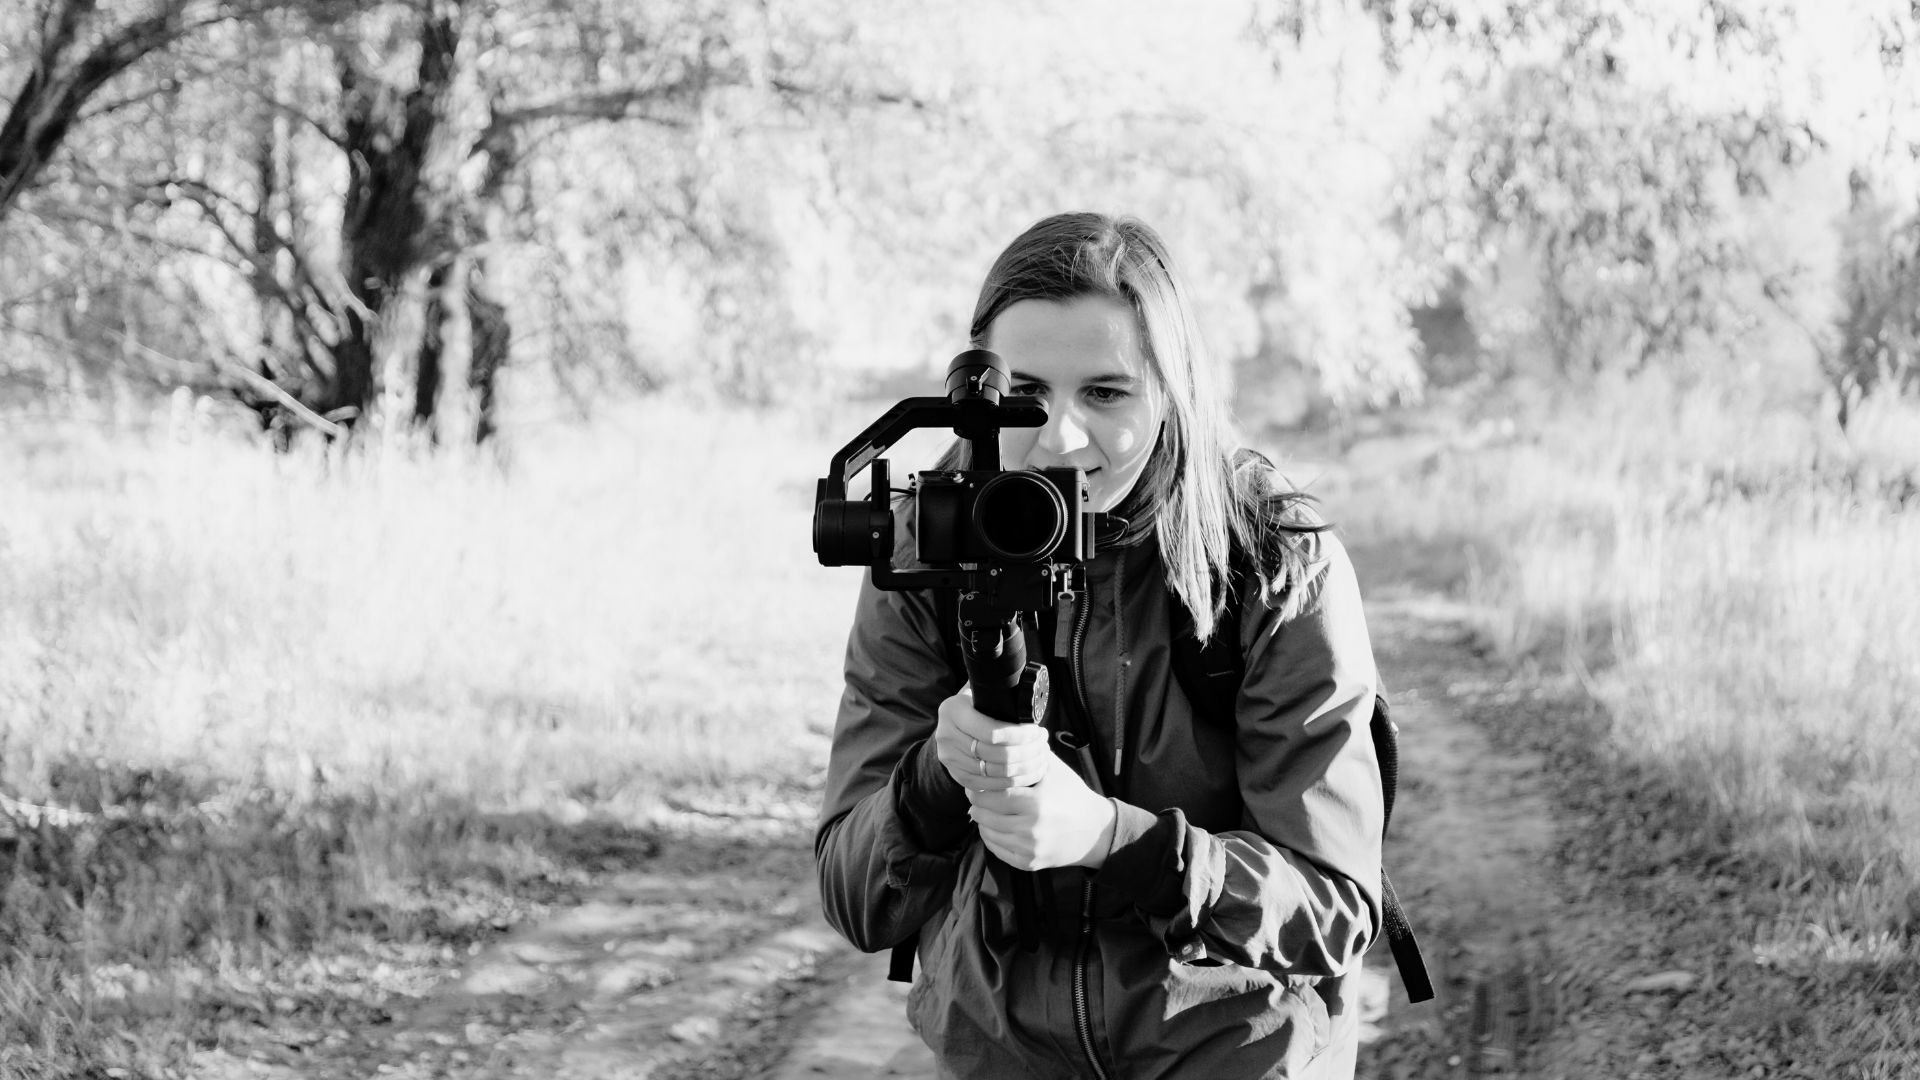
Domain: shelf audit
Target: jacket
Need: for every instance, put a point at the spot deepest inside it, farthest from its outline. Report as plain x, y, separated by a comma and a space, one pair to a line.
1223, 934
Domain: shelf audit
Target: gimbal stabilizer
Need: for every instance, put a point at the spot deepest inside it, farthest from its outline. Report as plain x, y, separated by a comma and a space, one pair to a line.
1010, 542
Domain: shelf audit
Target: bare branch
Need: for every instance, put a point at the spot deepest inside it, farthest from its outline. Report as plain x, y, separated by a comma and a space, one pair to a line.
624, 104
288, 109
288, 401
58, 86
146, 236
841, 96
303, 298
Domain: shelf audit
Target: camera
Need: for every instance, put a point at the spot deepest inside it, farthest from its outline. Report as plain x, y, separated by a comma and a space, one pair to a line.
1019, 539
1007, 517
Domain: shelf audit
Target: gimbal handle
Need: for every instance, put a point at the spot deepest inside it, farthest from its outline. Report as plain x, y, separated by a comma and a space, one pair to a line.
1008, 688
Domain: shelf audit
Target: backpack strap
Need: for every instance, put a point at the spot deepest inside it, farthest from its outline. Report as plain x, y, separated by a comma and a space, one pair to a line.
1406, 948
900, 962
1210, 675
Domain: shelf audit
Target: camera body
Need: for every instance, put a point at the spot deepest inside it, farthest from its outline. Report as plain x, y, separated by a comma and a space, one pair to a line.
999, 518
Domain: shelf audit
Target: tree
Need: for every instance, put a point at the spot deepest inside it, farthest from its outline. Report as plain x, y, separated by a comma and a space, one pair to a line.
1877, 346
363, 170
1622, 145
365, 209
76, 51
436, 148
72, 53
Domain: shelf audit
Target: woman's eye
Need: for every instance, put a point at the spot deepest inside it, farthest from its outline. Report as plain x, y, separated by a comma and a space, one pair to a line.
1106, 395
1028, 389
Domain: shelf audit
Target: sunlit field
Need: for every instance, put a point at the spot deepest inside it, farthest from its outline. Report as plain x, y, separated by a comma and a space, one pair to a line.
257, 706
274, 721
624, 606
1740, 586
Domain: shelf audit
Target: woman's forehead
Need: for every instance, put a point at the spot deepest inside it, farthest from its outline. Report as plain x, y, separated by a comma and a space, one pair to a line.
1087, 337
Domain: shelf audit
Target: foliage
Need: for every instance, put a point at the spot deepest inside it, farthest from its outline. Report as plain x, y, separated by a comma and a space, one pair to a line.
1622, 201
380, 163
697, 195
430, 210
1878, 346
1597, 170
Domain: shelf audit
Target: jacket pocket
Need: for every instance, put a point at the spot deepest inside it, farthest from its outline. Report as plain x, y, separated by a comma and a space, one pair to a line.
931, 996
927, 997
1305, 991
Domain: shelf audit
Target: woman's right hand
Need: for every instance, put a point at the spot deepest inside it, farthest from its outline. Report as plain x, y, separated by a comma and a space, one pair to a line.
984, 754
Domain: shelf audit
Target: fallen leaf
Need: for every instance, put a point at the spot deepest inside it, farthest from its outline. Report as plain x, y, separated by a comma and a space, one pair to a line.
1665, 982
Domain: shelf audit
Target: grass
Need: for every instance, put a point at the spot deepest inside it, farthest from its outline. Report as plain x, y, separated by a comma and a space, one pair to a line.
259, 713
430, 625
1740, 585
308, 722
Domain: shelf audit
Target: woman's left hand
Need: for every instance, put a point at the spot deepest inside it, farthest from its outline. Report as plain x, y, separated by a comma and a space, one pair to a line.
1056, 821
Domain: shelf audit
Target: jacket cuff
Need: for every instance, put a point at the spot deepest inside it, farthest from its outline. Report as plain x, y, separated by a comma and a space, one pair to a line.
931, 810
1146, 863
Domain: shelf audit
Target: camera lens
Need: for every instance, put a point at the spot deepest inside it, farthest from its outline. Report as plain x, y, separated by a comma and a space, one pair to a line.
1019, 516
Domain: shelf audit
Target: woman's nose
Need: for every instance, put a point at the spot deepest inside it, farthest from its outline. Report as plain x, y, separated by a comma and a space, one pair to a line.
1063, 433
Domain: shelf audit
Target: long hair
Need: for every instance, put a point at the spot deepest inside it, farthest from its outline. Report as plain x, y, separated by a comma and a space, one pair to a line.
1204, 503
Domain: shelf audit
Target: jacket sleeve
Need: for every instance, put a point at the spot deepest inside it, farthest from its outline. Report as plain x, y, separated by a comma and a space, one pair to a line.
892, 822
1295, 890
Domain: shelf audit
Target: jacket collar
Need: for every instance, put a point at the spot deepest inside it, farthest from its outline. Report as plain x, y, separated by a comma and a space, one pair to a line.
1142, 553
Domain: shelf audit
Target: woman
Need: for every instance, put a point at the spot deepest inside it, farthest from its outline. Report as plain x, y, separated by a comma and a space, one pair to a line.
1205, 909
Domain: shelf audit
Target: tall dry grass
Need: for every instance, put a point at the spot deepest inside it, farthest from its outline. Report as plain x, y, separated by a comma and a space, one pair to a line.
1740, 584
256, 709
622, 607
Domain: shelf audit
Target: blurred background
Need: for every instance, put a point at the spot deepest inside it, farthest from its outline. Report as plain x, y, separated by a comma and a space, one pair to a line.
409, 412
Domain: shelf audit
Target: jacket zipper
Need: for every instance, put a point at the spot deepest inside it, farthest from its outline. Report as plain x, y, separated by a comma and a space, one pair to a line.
1120, 674
1082, 1013
1083, 611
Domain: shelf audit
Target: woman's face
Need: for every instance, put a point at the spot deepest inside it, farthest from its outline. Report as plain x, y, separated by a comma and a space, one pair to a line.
1082, 357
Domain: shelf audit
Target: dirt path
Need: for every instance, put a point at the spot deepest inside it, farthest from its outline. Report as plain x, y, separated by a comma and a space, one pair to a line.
710, 960
1471, 854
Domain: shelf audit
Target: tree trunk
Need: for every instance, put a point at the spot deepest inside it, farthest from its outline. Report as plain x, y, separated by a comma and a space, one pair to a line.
397, 195
492, 339
465, 344
427, 379
468, 334
440, 399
